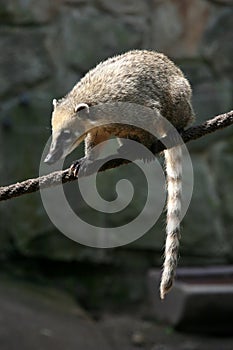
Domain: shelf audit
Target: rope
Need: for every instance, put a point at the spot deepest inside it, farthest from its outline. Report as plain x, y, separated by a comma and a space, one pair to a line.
32, 185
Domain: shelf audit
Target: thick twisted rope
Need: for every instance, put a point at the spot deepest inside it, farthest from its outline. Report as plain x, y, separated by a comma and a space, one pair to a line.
32, 185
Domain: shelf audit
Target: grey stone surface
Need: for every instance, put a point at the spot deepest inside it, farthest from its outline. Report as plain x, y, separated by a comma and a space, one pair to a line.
211, 98
34, 320
124, 7
28, 12
173, 23
24, 131
123, 329
5, 216
111, 36
78, 2
24, 60
222, 2
217, 43
202, 228
44, 318
220, 158
200, 301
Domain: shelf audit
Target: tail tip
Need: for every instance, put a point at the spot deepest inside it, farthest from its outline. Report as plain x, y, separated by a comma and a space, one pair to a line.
165, 288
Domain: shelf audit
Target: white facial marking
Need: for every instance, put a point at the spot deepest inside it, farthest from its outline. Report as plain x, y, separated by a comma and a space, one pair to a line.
81, 106
54, 103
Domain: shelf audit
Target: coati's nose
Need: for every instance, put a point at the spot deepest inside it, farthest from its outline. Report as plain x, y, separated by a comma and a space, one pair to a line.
49, 159
53, 157
61, 146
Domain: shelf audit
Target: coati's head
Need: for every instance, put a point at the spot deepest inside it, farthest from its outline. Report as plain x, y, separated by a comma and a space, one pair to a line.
69, 126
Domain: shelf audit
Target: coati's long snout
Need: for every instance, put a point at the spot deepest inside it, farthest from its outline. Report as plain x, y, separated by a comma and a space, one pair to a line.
69, 130
53, 156
62, 144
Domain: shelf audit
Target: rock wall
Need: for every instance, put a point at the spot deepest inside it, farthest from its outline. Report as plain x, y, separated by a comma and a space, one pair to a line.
46, 46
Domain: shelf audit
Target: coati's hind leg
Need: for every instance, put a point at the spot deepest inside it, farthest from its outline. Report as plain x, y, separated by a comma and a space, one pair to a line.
173, 160
134, 151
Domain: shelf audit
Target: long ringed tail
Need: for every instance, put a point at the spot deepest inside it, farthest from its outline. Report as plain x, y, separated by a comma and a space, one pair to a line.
173, 162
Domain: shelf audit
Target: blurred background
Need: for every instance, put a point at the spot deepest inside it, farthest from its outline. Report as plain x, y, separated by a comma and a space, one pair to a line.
100, 295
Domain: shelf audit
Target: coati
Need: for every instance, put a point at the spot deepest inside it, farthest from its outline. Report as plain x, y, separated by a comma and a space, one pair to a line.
145, 78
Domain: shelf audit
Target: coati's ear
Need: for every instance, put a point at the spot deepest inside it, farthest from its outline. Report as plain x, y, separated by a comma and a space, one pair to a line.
85, 112
54, 103
82, 106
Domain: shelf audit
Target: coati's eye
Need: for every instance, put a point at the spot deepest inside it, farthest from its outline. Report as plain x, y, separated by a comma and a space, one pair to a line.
66, 132
65, 135
81, 106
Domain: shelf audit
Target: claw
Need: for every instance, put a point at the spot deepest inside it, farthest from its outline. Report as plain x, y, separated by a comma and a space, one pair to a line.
75, 167
85, 165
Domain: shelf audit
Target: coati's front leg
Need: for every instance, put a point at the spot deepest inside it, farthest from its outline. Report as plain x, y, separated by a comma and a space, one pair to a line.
129, 151
79, 165
87, 165
90, 163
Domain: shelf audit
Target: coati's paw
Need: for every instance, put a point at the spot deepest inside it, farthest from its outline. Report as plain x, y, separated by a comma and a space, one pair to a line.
75, 167
81, 165
85, 166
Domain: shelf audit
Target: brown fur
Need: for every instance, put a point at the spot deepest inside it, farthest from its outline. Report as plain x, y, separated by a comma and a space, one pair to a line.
145, 78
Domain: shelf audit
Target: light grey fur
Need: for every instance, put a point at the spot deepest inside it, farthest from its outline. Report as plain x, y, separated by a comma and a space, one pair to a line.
142, 77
